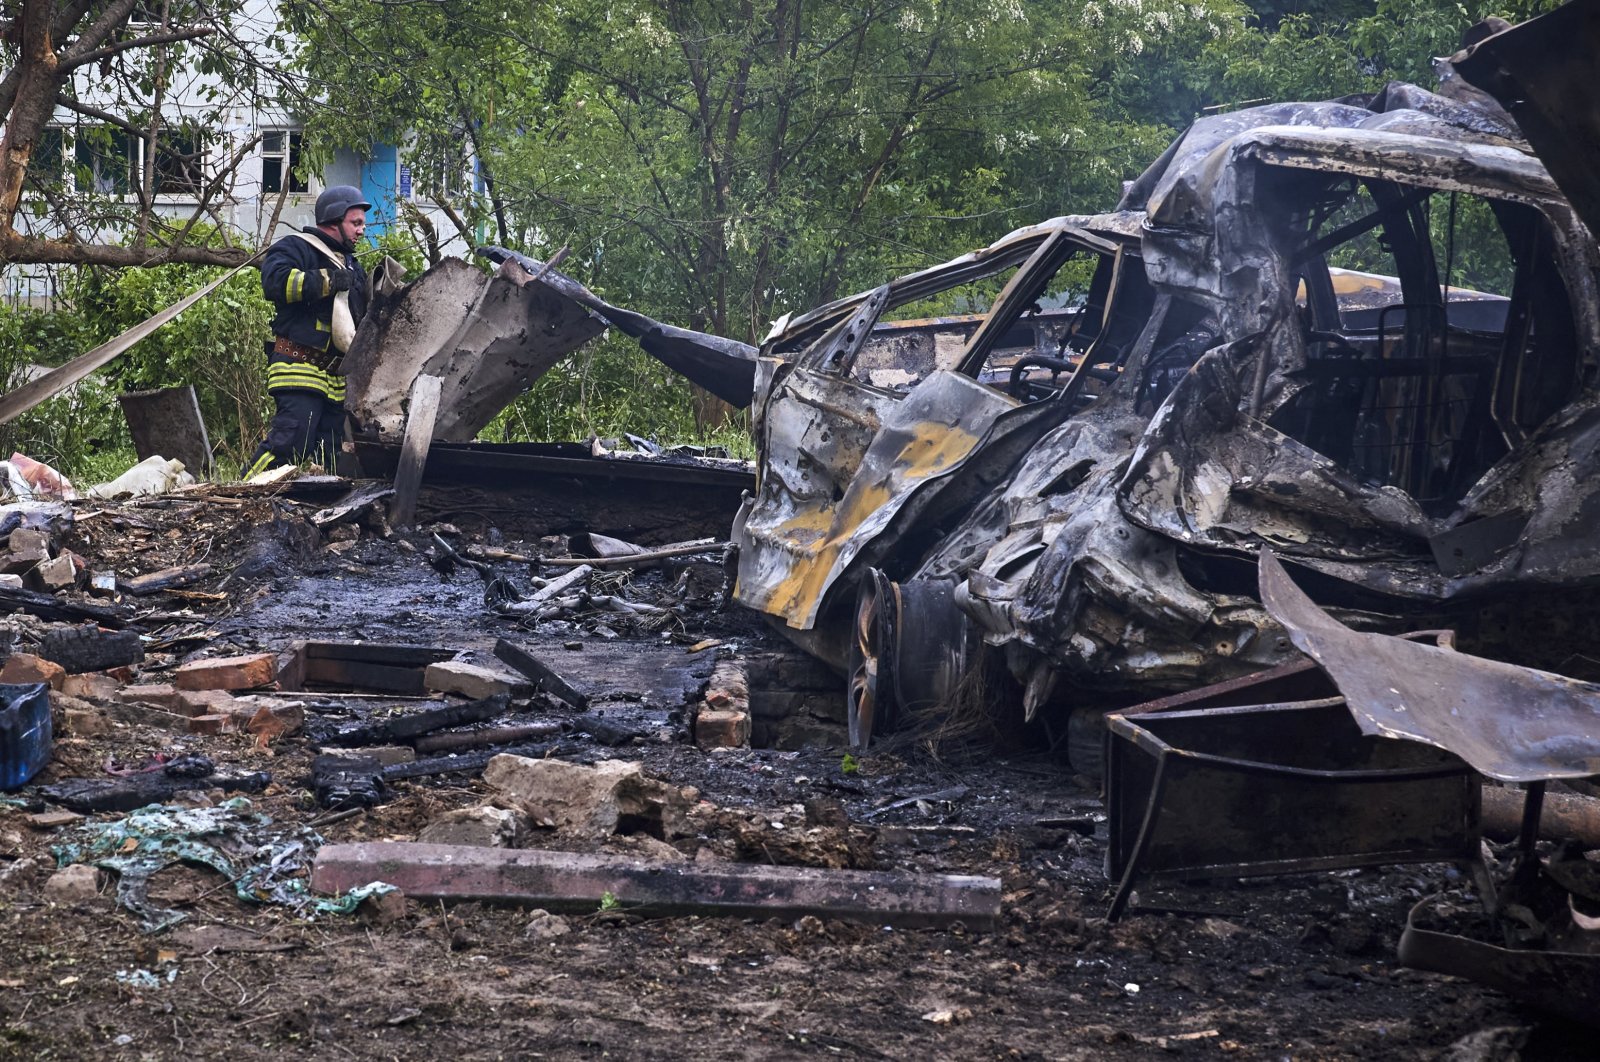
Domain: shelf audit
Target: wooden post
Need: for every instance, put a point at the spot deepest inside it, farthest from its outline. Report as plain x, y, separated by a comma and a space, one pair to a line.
420, 415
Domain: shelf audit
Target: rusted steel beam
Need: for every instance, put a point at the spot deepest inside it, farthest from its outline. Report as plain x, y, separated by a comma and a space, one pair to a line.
572, 880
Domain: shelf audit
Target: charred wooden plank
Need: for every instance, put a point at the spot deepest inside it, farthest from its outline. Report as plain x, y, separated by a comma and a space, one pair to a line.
50, 607
544, 677
498, 735
165, 579
403, 728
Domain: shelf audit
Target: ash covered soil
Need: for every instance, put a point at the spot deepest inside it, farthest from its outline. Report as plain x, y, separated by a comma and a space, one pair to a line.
1291, 967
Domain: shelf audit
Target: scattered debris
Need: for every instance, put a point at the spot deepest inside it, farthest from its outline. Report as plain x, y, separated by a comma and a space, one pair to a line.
263, 863
153, 475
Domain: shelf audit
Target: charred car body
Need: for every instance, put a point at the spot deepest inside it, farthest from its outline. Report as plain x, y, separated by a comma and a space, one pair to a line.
1413, 450
1362, 332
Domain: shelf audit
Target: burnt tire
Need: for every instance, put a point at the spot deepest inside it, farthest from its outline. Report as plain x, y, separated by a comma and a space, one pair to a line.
88, 648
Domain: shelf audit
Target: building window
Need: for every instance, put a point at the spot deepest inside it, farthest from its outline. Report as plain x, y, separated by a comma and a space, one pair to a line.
180, 163
280, 161
106, 160
48, 167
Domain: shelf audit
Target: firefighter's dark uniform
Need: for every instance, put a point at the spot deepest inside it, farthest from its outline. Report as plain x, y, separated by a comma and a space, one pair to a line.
302, 363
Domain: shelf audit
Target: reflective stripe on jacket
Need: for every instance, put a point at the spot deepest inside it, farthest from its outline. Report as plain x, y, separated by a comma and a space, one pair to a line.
286, 375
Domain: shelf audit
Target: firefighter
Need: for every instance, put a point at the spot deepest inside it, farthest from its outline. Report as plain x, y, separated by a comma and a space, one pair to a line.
306, 275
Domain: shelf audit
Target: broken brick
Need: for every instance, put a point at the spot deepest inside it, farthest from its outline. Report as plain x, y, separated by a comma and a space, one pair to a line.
23, 539
210, 724
470, 680
714, 728
161, 693
50, 820
86, 722
23, 668
79, 883
227, 673
91, 686
58, 573
22, 562
271, 722
203, 702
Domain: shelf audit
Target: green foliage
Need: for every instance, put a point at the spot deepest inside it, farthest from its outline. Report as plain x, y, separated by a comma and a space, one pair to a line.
609, 901
70, 430
848, 764
1320, 49
216, 345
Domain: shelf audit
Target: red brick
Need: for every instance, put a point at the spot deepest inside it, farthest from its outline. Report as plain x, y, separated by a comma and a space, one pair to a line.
718, 729
25, 667
203, 702
160, 693
91, 686
228, 673
210, 724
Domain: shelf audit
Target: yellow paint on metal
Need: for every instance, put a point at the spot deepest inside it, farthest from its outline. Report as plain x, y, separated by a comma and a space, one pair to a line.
930, 449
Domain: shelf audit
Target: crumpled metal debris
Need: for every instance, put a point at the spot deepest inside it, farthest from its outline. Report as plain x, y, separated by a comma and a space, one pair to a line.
265, 864
1511, 723
1420, 452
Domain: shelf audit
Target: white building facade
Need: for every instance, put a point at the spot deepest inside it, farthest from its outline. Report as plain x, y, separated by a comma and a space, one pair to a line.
227, 155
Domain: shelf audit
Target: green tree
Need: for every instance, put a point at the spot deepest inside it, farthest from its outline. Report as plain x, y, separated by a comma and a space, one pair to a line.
718, 162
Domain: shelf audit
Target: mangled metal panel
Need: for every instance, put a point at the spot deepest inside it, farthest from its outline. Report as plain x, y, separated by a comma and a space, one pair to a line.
1542, 72
487, 337
844, 459
725, 367
1510, 723
1563, 978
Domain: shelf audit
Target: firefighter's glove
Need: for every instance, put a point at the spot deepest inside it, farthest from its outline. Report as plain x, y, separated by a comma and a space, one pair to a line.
340, 280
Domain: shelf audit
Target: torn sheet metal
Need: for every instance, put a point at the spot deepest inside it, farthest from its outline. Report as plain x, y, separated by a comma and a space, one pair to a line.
486, 337
725, 367
1564, 979
1542, 71
850, 467
1511, 723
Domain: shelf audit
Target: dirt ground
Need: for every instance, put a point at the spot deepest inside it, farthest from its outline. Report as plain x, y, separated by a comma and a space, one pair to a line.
1291, 967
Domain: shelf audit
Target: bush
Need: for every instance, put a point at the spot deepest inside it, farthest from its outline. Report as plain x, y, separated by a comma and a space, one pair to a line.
68, 430
217, 345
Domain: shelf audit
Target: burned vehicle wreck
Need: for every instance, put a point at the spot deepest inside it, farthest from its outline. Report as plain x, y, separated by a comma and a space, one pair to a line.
1360, 332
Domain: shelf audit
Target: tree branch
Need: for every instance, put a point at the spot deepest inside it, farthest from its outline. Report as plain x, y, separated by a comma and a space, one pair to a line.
15, 247
150, 41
